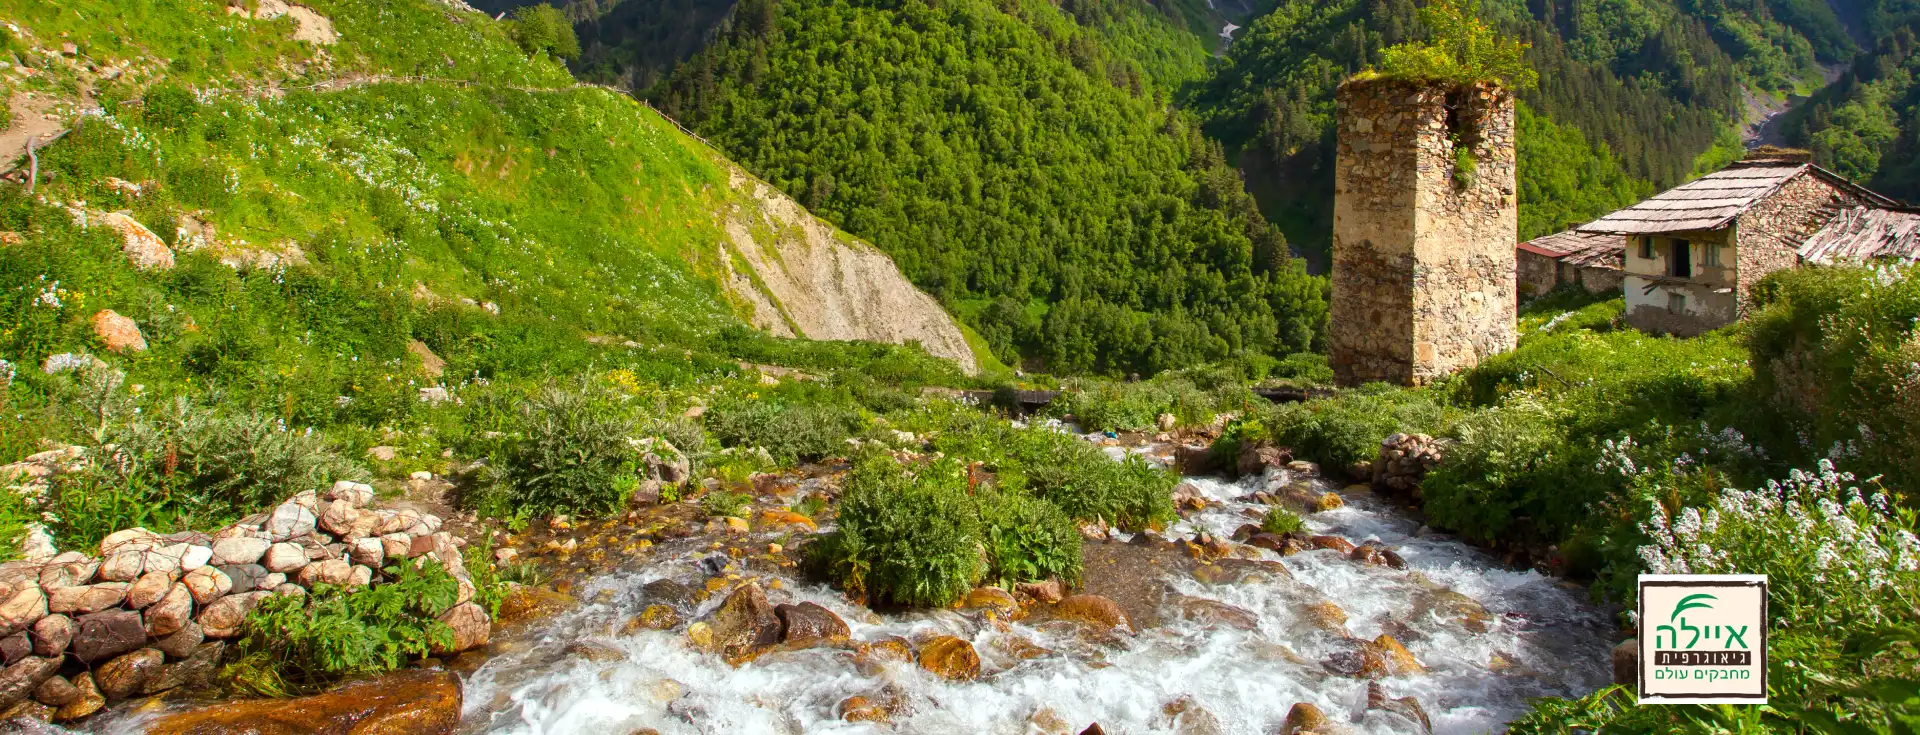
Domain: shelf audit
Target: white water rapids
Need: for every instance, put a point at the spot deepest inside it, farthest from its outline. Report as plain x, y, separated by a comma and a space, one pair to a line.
1542, 640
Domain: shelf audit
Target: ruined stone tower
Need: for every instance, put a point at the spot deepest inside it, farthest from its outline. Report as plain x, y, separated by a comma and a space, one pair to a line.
1424, 226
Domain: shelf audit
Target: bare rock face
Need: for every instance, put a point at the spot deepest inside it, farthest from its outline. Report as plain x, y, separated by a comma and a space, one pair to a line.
412, 702
807, 625
807, 276
745, 624
119, 333
950, 658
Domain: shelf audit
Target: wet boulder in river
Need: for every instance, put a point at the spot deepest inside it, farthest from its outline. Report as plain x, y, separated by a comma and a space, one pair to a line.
950, 658
1093, 610
413, 702
745, 625
1405, 713
807, 625
1304, 718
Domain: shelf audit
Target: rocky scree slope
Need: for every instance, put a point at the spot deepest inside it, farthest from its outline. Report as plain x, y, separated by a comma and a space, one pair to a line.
484, 180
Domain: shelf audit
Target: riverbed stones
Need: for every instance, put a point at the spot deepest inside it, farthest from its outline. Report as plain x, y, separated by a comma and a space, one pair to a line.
124, 676
18, 680
171, 613
1400, 661
470, 625
1049, 591
1335, 543
807, 625
1304, 718
107, 633
861, 709
88, 701
149, 589
181, 643
993, 600
1216, 614
1093, 610
1405, 712
286, 557
52, 634
1325, 615
745, 624
950, 658
56, 691
416, 701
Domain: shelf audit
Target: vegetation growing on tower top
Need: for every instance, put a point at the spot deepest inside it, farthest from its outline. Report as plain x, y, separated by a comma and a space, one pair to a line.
1464, 50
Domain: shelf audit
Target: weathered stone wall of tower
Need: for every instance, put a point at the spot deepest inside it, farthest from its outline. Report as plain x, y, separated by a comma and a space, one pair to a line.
1423, 251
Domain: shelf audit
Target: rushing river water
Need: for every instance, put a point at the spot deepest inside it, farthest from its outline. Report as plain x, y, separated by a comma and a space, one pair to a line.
1489, 637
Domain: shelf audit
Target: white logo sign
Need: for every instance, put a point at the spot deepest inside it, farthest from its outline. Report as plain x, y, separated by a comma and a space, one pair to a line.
1703, 638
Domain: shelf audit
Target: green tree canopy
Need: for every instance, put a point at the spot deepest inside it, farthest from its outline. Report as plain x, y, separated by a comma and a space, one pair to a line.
1463, 50
541, 29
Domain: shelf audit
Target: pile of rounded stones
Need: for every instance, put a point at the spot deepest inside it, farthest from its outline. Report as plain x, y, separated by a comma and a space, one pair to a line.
153, 612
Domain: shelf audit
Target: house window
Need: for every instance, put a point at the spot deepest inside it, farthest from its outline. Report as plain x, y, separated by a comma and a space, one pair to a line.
1677, 303
1646, 247
1709, 255
1680, 264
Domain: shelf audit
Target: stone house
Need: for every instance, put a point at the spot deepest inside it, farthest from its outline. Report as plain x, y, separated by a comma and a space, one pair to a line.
1693, 252
1588, 259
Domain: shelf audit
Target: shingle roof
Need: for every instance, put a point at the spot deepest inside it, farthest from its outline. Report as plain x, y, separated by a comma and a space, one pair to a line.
1863, 233
1712, 201
1585, 249
1607, 252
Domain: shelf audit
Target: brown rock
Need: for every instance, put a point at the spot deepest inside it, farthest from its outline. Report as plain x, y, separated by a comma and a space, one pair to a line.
1413, 717
1400, 661
1092, 609
194, 670
15, 647
223, 618
18, 681
149, 589
1304, 718
123, 566
950, 658
1331, 542
654, 617
285, 557
1050, 591
52, 634
1326, 615
596, 652
411, 702
1215, 614
89, 701
807, 625
745, 624
1327, 502
471, 628
171, 613
143, 248
124, 676
861, 709
56, 691
183, 641
207, 584
995, 600
332, 571
23, 609
108, 633
870, 658
119, 333
1359, 659
1626, 663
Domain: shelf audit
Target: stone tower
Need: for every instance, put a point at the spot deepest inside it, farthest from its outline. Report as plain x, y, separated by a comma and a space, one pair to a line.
1424, 226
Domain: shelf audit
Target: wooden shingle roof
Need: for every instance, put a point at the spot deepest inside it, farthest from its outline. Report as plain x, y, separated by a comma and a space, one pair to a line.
1570, 242
1713, 201
1865, 233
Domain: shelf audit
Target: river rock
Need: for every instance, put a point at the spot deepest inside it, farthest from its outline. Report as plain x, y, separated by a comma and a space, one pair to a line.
1406, 713
69, 569
1357, 658
171, 613
15, 647
56, 691
371, 552
244, 577
88, 701
1050, 591
807, 625
1626, 663
1304, 718
654, 617
1259, 457
359, 494
285, 557
1335, 543
131, 539
107, 633
52, 634
470, 625
745, 624
18, 680
207, 584
193, 670
340, 517
223, 618
1092, 609
183, 641
149, 589
1400, 661
995, 600
124, 676
362, 576
397, 545
411, 702
1326, 615
1216, 614
123, 566
23, 609
950, 658
332, 571
861, 709
289, 521
1189, 718
239, 550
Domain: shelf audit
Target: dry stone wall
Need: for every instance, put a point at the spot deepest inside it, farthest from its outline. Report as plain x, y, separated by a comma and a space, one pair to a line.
1423, 246
1768, 235
149, 612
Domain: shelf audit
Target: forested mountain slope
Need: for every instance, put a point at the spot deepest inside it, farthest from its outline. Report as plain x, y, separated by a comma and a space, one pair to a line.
1013, 165
1866, 125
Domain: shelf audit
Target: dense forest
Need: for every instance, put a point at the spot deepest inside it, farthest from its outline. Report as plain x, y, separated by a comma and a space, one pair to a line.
1866, 125
1043, 186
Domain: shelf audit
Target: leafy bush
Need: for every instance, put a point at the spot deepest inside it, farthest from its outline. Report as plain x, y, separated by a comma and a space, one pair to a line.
570, 455
299, 643
1349, 429
789, 431
542, 29
1248, 430
1464, 49
1027, 539
1280, 521
1502, 458
1129, 494
904, 538
1191, 397
720, 503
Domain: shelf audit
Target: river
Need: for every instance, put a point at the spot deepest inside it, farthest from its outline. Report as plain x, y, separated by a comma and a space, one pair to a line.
1489, 638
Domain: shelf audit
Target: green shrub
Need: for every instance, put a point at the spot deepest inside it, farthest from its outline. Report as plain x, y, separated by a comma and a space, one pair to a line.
542, 29
789, 432
1129, 494
721, 503
1027, 539
300, 643
904, 538
1500, 458
169, 106
570, 454
1280, 522
1464, 49
1303, 368
1349, 428
1191, 397
1249, 430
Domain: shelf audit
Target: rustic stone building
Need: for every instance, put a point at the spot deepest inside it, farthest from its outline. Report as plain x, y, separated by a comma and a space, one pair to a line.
1694, 252
1424, 226
1570, 257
